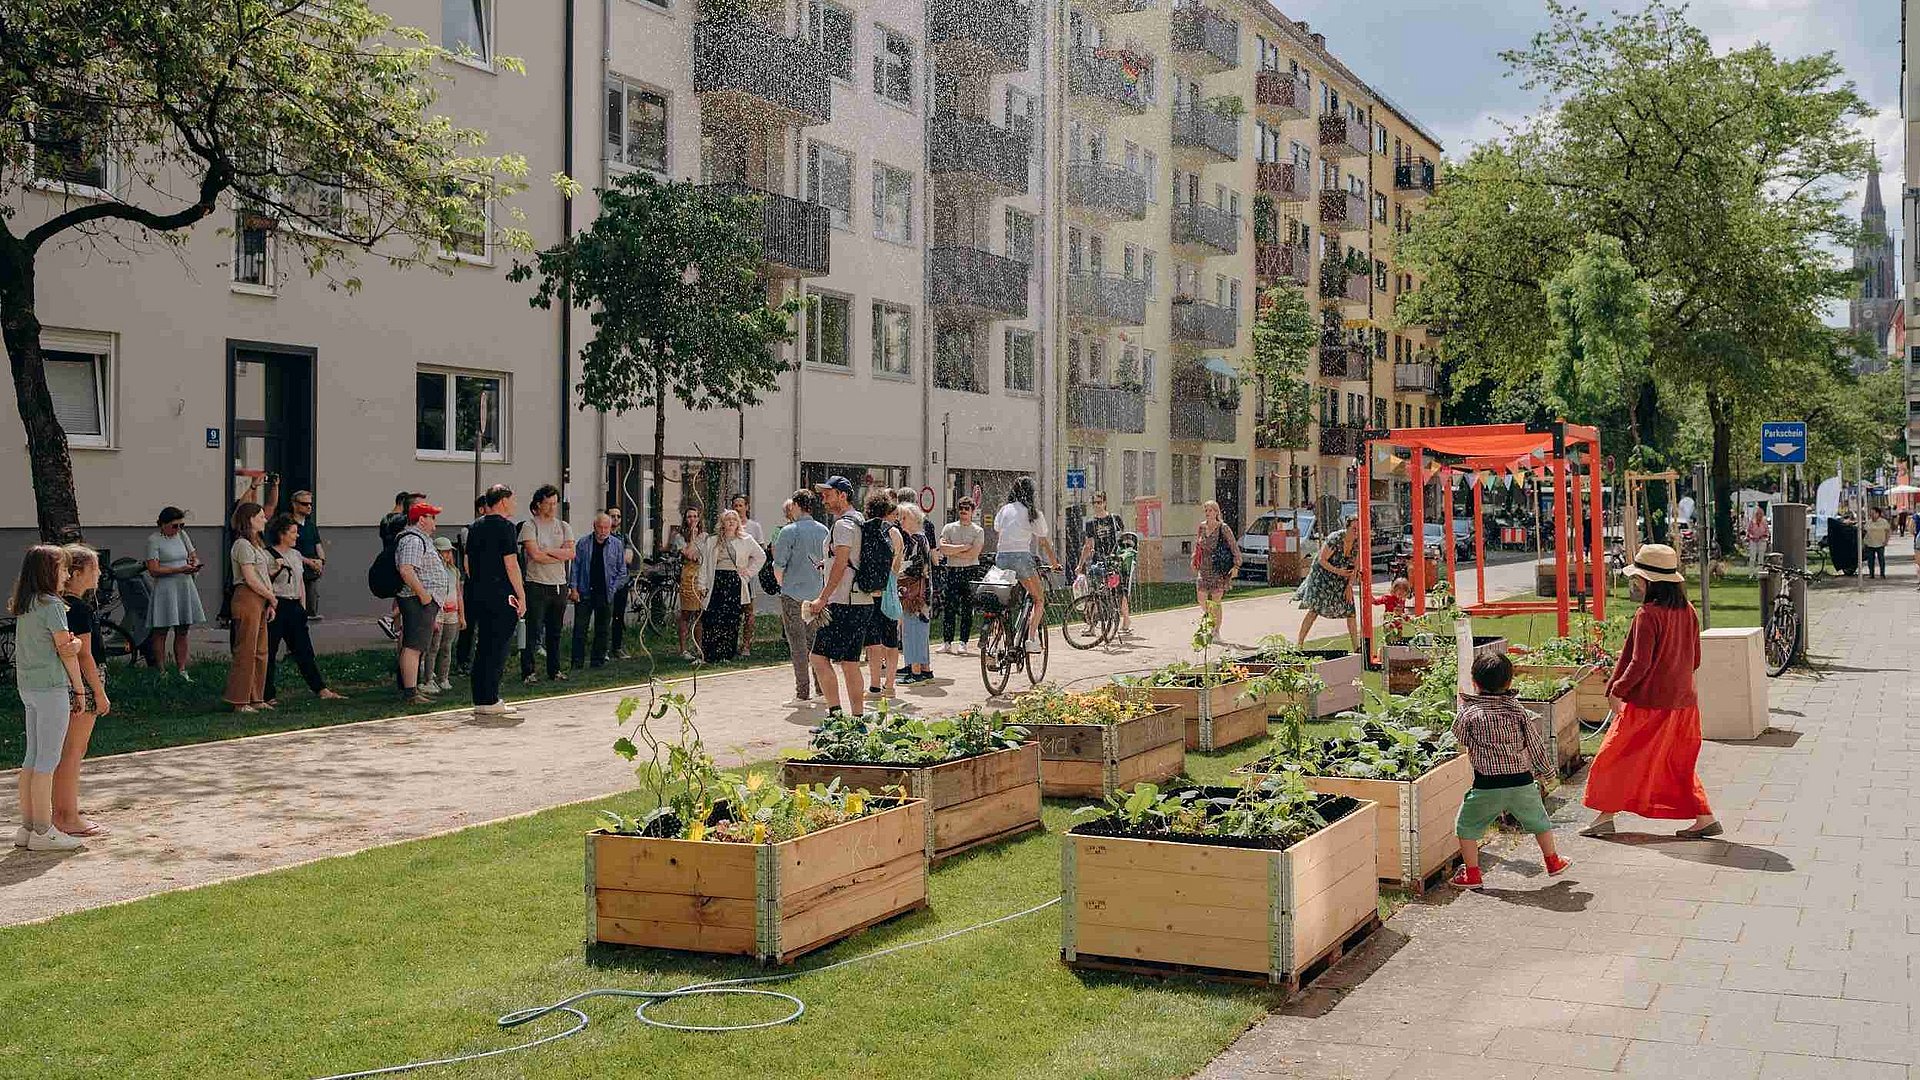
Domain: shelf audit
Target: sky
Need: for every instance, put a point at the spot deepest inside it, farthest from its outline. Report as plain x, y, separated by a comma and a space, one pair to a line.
1439, 59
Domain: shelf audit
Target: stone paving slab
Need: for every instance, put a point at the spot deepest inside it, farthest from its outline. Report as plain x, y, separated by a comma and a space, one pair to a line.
1789, 949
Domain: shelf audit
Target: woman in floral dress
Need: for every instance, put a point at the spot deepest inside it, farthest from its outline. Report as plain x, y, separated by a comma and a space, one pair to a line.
1328, 589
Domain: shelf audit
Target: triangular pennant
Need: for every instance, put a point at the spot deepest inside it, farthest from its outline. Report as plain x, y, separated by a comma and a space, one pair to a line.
1472, 479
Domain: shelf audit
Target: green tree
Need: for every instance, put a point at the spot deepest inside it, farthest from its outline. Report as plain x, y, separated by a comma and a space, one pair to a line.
670, 276
1284, 334
131, 122
1595, 365
1720, 175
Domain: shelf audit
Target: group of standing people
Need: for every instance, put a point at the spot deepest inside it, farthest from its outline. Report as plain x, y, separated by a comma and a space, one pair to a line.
61, 690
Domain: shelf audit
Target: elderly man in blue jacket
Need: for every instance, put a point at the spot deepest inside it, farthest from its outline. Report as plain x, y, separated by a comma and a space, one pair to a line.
598, 572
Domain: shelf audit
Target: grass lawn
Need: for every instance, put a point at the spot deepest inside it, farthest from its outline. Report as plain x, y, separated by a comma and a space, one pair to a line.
152, 712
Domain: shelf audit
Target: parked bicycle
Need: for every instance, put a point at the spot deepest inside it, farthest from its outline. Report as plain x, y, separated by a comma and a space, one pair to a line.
655, 595
1093, 618
1005, 610
1783, 618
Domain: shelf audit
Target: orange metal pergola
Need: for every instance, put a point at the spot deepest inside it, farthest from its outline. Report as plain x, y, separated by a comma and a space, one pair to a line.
1557, 449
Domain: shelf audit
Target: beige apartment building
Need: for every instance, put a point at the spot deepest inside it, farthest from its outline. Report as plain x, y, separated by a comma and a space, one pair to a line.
1029, 239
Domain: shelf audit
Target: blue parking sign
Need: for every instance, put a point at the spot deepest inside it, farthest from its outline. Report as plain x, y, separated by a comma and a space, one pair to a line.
1783, 442
1076, 479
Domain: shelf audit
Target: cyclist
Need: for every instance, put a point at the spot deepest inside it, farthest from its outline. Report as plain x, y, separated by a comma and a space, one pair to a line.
1101, 545
1021, 525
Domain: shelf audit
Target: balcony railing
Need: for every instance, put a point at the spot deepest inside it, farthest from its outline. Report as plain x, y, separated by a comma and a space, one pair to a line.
1203, 420
1106, 299
1106, 78
1106, 189
1107, 408
1275, 263
988, 156
1343, 357
1348, 289
1201, 323
977, 282
1283, 181
794, 235
1281, 95
1199, 126
1199, 223
1422, 377
1205, 39
1413, 177
989, 37
1341, 137
1343, 210
761, 71
1341, 440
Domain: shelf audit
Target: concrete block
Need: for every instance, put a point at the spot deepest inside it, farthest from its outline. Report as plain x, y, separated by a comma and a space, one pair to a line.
1732, 683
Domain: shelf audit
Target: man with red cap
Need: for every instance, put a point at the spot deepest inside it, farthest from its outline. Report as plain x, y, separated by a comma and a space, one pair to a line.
423, 576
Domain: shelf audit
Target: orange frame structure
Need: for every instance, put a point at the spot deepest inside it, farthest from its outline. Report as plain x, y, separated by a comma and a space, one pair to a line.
1549, 448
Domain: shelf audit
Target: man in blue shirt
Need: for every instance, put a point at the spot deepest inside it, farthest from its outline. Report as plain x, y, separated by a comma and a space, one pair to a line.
598, 573
799, 564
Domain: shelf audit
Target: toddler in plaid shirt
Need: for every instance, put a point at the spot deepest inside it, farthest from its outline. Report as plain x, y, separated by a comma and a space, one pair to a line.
1510, 765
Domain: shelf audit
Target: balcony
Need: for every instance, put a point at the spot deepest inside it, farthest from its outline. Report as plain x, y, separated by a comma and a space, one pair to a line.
742, 67
1107, 408
1103, 77
1341, 137
1348, 288
1106, 300
972, 282
1198, 225
1119, 7
1204, 40
1422, 377
1202, 420
1280, 96
979, 155
1283, 181
1413, 178
1278, 437
794, 235
1198, 323
982, 37
1345, 211
1108, 191
1276, 263
1344, 357
1341, 440
1201, 127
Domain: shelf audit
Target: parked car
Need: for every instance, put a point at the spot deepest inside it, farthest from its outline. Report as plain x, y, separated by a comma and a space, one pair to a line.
1253, 542
1388, 524
1435, 538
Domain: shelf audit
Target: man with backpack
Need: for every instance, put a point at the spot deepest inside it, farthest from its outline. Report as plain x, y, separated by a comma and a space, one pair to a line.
845, 601
423, 578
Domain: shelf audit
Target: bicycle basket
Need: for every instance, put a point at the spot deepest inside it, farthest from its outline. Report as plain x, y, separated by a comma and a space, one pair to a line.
994, 591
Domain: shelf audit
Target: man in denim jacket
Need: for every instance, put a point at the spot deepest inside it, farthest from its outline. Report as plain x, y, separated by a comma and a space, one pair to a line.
598, 573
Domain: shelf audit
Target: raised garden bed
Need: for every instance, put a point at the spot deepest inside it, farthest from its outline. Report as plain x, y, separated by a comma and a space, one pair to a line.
970, 801
1559, 721
1216, 714
1338, 670
1415, 839
1589, 688
1098, 742
1406, 663
1220, 907
771, 901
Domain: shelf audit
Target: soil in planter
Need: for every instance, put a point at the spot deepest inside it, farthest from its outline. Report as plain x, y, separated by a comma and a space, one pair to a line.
1331, 808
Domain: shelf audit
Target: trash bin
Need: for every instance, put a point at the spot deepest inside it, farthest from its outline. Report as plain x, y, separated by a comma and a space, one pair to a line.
1843, 545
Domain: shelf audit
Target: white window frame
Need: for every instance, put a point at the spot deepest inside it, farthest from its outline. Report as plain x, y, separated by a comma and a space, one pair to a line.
881, 367
853, 38
1150, 273
504, 420
1012, 334
814, 149
1027, 253
809, 353
109, 172
269, 285
485, 257
1149, 474
489, 29
881, 180
627, 86
104, 348
1150, 172
1149, 361
884, 59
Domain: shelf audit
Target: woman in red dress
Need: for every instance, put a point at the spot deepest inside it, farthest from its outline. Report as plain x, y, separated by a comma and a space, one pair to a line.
1646, 764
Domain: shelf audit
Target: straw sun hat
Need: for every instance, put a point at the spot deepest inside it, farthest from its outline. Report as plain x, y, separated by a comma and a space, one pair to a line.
1656, 562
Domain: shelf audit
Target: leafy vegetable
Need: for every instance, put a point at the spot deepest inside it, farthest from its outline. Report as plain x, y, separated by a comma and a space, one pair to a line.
1190, 676
1392, 737
896, 738
1596, 642
1281, 809
1048, 704
1541, 687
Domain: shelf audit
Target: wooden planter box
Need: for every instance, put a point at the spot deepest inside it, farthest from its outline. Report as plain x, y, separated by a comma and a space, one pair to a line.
1095, 760
773, 902
1559, 727
1162, 907
970, 802
1406, 663
1414, 833
1339, 670
1216, 716
1589, 692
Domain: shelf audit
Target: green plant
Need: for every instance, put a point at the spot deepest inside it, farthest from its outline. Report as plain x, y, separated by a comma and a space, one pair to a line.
1378, 748
1189, 676
1230, 106
1541, 687
1296, 681
1281, 809
896, 738
1048, 704
1594, 641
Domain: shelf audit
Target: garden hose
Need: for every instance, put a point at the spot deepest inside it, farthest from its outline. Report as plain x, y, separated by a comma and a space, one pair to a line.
650, 998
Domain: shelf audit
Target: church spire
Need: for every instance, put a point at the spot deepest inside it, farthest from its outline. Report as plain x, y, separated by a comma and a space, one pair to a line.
1873, 205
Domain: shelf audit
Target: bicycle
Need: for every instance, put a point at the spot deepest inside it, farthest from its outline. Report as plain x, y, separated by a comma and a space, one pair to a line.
1005, 610
1783, 619
655, 595
1819, 560
111, 638
1094, 618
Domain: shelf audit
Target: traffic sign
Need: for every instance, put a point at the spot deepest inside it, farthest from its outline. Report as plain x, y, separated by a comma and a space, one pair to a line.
1783, 442
926, 500
1076, 479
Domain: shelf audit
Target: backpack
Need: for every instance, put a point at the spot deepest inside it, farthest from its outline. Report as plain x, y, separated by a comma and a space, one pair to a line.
383, 577
1221, 557
768, 583
870, 574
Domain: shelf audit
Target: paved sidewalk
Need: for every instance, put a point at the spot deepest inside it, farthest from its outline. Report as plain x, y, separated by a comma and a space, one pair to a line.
197, 814
1786, 949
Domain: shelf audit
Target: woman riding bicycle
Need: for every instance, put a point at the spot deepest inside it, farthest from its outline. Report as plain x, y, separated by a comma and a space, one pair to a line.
1020, 525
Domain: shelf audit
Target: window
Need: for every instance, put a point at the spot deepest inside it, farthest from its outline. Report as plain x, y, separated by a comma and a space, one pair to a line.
1129, 261
1129, 475
1131, 158
1193, 478
1179, 479
1128, 370
960, 362
69, 146
892, 204
470, 239
253, 251
317, 204
1379, 206
892, 339
1147, 275
1150, 172
1233, 297
1150, 473
830, 183
636, 126
1380, 275
829, 339
474, 399
1021, 108
466, 29
1147, 358
1075, 242
892, 65
1097, 363
1019, 349
1380, 138
1019, 236
79, 370
830, 28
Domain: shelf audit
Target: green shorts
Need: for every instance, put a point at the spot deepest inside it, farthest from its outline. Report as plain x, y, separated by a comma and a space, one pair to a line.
1483, 806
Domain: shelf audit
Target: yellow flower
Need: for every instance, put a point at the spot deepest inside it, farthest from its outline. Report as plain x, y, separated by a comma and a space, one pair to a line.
801, 798
756, 781
697, 831
759, 832
854, 803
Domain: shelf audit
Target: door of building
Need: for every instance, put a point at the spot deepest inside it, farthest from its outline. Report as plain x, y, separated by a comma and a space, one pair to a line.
1228, 483
270, 422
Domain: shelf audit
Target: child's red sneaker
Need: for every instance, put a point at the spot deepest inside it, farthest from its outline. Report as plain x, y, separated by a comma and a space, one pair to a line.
1467, 878
1556, 865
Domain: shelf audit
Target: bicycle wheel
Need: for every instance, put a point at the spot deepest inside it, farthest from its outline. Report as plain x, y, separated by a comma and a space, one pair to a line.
1783, 637
112, 640
1817, 562
995, 641
1037, 661
1085, 623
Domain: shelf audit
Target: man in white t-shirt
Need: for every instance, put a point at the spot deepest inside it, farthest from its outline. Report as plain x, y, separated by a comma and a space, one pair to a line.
547, 543
848, 610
